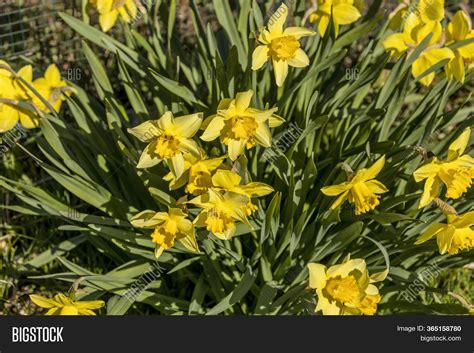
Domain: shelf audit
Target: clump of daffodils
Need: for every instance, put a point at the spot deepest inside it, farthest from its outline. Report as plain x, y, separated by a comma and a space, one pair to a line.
346, 288
456, 172
362, 189
63, 305
280, 45
111, 10
419, 21
222, 198
16, 92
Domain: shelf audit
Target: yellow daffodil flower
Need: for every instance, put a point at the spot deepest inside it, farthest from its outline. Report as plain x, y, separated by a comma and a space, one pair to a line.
110, 10
362, 189
280, 45
240, 126
456, 172
52, 88
343, 12
345, 289
220, 212
455, 236
63, 305
14, 91
168, 227
230, 181
414, 32
197, 175
459, 29
169, 138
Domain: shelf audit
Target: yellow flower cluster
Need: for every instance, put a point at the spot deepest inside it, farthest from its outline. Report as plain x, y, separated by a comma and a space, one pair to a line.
218, 189
15, 90
456, 173
423, 19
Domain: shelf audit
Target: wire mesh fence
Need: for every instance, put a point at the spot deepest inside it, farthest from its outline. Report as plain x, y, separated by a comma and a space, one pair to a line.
30, 30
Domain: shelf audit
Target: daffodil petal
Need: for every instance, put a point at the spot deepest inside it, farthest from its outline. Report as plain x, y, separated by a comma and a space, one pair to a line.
188, 125
445, 238
430, 232
260, 56
317, 276
107, 20
280, 68
299, 60
91, 305
263, 136
339, 200
9, 116
29, 120
277, 19
345, 13
236, 148
298, 32
465, 220
148, 159
431, 10
323, 25
146, 131
52, 75
374, 170
395, 43
242, 100
430, 191
176, 164
69, 310
214, 129
459, 145
226, 179
376, 186
275, 121
257, 189
335, 190
43, 302
429, 170
455, 68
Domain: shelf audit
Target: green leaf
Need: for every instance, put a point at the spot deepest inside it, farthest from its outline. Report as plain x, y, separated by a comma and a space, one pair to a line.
236, 295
